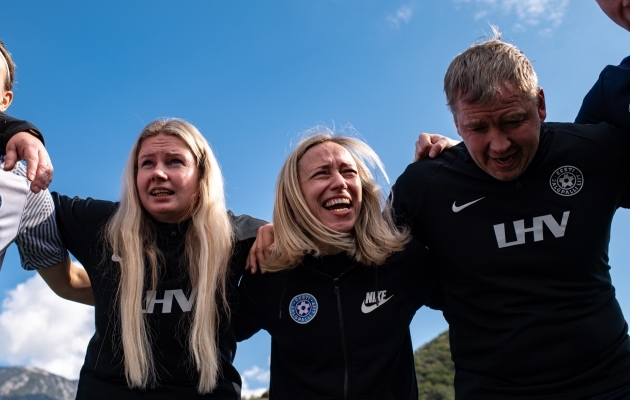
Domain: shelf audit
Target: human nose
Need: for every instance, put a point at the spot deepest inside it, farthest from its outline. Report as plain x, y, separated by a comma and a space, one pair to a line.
499, 141
338, 181
158, 174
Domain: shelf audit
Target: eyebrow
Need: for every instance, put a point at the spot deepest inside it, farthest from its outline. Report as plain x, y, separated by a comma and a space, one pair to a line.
168, 153
515, 115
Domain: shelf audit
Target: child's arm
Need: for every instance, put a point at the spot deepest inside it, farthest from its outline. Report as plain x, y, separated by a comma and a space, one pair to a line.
21, 140
10, 126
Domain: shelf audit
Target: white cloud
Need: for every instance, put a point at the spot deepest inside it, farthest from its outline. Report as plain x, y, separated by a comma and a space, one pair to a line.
529, 13
403, 14
40, 329
260, 376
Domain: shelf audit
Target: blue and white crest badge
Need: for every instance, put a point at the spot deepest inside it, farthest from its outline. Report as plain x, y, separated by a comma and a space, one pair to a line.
303, 308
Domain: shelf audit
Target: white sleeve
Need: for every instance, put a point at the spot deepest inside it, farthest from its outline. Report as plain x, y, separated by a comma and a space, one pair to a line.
38, 238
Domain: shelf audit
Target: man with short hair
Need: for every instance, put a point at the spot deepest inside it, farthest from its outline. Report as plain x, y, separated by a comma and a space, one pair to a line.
518, 218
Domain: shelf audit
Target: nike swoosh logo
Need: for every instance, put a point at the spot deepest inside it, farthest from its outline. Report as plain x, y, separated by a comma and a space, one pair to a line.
459, 208
368, 309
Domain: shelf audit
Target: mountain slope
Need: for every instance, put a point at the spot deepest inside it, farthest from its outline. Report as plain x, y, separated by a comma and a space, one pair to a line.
435, 370
29, 383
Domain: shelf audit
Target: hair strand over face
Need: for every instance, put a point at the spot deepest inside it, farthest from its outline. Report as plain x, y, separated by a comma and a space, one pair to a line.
297, 231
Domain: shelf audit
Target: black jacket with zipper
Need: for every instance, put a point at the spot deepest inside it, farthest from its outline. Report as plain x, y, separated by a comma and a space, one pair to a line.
350, 338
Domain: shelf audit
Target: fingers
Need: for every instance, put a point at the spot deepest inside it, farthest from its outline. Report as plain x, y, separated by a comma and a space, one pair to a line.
431, 145
424, 145
261, 249
39, 170
266, 238
10, 158
252, 260
440, 143
43, 171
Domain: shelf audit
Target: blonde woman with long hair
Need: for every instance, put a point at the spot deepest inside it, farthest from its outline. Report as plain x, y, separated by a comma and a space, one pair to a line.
343, 281
161, 263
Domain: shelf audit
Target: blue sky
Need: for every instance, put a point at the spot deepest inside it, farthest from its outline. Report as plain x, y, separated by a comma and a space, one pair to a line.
251, 76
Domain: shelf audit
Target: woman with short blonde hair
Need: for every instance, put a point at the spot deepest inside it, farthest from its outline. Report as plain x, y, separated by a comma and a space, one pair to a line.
374, 237
346, 281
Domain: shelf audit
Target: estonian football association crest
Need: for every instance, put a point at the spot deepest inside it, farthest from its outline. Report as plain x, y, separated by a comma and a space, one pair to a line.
566, 181
303, 308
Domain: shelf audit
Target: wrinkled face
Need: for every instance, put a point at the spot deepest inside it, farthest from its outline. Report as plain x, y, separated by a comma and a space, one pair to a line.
168, 179
617, 10
502, 137
330, 184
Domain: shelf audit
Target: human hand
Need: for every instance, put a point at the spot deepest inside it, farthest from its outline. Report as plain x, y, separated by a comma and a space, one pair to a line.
431, 144
39, 169
261, 249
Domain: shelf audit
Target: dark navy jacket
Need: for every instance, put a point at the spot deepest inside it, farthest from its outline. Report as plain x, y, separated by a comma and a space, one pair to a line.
609, 99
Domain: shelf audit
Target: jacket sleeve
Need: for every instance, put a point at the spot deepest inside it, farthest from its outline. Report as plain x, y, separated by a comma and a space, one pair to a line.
593, 110
39, 242
245, 227
415, 271
407, 198
81, 223
9, 126
609, 99
245, 316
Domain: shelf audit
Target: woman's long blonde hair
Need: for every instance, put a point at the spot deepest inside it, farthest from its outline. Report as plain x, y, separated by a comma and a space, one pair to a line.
132, 238
297, 231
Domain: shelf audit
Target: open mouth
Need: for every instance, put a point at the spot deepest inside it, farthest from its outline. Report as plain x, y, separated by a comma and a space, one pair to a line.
338, 204
504, 160
161, 193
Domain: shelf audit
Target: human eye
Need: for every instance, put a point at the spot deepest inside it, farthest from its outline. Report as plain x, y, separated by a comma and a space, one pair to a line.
477, 127
145, 163
514, 119
319, 173
351, 172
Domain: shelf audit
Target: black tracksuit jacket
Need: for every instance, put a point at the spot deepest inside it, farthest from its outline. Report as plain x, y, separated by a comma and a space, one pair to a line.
523, 264
351, 340
81, 225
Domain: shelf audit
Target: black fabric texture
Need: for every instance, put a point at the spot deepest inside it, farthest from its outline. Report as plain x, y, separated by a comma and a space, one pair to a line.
524, 267
609, 99
81, 224
354, 343
9, 126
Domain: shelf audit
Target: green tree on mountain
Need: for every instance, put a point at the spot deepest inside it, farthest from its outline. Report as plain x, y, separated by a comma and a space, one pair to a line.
435, 370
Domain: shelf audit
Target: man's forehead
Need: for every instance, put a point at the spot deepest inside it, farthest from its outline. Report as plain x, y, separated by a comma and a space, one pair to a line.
504, 101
